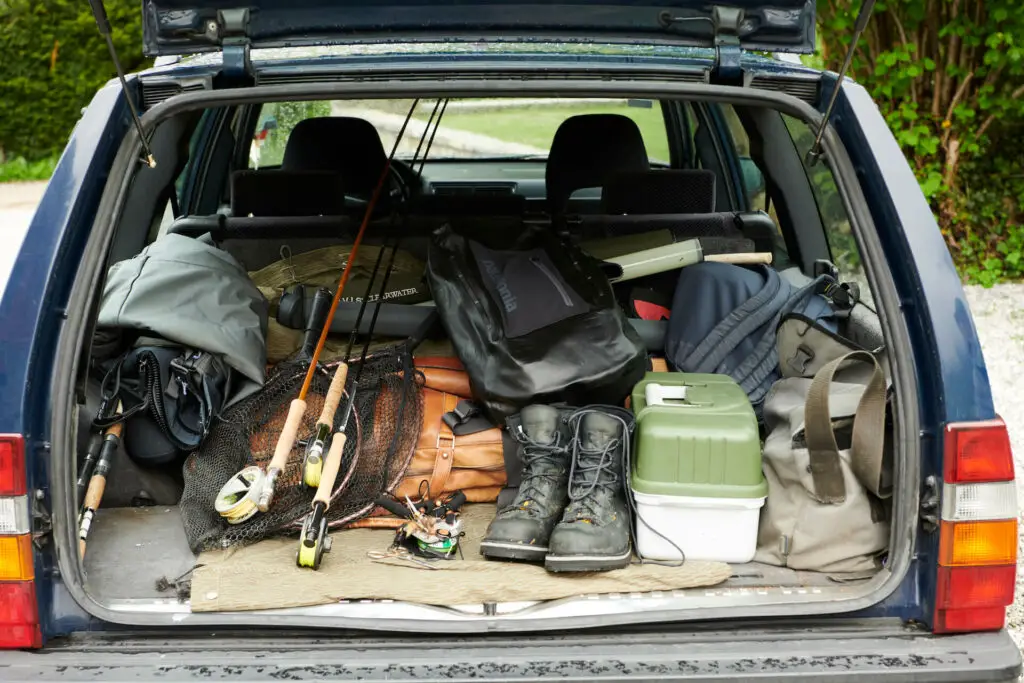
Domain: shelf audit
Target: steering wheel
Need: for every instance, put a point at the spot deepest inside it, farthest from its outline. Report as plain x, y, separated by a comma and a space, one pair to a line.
405, 178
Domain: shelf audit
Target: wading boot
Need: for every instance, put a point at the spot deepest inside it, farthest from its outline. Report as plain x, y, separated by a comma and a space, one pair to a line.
594, 532
520, 531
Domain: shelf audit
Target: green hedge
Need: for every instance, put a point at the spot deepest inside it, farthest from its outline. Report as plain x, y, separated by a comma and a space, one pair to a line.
949, 77
52, 60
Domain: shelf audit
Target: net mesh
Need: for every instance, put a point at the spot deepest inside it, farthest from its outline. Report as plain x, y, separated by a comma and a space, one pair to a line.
383, 431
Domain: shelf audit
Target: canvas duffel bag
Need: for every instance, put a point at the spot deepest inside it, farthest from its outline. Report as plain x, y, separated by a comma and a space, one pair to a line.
180, 337
827, 460
192, 294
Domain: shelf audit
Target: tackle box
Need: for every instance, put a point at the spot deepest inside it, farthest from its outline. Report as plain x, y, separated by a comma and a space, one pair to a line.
696, 471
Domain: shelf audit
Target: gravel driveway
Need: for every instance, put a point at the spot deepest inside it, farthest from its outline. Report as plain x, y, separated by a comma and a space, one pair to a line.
998, 314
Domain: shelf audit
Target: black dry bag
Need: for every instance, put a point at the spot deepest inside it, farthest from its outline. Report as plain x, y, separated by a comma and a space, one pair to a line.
533, 320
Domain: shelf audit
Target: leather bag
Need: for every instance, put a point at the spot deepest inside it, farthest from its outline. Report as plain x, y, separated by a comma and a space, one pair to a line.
458, 450
468, 458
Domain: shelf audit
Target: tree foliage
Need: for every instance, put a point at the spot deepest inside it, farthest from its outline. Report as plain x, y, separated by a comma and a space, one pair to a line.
949, 77
52, 60
285, 115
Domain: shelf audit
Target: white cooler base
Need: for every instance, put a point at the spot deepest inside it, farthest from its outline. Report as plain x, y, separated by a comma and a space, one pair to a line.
716, 529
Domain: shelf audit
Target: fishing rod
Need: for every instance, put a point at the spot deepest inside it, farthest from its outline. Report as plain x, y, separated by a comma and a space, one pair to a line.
234, 501
297, 409
313, 539
313, 461
92, 453
98, 480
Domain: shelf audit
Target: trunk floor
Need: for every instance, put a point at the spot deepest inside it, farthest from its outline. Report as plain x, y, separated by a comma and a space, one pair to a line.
139, 553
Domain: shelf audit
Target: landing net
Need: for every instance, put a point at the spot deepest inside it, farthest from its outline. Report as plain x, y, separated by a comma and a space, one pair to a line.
382, 434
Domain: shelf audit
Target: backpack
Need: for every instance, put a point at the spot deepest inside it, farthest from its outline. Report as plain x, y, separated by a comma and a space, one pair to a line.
724, 319
170, 396
532, 318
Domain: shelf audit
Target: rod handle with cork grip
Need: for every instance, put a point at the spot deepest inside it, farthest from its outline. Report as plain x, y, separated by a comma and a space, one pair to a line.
282, 451
98, 480
313, 462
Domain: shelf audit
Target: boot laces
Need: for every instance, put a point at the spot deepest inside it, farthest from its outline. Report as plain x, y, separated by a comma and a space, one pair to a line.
535, 456
594, 469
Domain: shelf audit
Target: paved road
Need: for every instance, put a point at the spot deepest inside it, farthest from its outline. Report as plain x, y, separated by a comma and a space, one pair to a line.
17, 205
999, 315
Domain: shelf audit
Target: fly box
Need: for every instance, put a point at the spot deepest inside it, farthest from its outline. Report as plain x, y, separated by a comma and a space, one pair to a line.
696, 473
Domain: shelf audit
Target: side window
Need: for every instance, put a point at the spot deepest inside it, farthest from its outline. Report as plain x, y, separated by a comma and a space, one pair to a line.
841, 242
751, 175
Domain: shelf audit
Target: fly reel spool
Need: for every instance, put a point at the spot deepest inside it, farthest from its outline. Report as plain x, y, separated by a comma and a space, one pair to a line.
236, 501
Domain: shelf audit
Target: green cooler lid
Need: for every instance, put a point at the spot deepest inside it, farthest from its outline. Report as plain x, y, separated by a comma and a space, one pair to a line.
697, 436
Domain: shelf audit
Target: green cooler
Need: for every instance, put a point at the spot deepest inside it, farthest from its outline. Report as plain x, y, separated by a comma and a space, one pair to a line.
696, 473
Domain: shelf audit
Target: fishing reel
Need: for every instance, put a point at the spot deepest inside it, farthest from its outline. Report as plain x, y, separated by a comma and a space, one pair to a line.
238, 499
313, 541
313, 459
438, 539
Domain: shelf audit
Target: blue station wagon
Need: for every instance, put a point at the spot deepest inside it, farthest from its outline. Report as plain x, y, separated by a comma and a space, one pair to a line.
800, 158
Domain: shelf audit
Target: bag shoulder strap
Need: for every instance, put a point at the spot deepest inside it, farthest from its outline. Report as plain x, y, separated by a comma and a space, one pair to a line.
868, 442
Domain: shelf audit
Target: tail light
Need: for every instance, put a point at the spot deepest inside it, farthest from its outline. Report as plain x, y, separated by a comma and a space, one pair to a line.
19, 615
978, 531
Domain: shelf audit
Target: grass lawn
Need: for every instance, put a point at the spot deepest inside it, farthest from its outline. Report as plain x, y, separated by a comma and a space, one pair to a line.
19, 170
535, 125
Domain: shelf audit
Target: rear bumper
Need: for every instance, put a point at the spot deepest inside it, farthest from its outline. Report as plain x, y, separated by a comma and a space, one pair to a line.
805, 654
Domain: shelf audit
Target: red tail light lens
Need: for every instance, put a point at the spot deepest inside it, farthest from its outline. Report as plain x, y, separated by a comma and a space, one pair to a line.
977, 452
19, 618
19, 612
12, 465
968, 587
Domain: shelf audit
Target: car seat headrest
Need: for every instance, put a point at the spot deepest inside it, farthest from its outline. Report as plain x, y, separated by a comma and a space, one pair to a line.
343, 144
586, 149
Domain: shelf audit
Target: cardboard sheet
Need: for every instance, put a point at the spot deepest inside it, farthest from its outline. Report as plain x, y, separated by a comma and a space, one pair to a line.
264, 575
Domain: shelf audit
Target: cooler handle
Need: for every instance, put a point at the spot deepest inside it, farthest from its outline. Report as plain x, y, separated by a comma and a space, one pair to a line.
657, 394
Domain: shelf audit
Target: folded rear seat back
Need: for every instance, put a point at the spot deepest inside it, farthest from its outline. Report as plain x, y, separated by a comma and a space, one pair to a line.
462, 205
659, 191
756, 226
273, 192
679, 200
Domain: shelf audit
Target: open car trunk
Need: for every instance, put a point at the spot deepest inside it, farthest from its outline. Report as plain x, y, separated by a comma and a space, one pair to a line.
139, 567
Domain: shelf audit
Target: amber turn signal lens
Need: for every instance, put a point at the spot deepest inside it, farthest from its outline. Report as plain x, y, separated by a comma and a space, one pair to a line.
978, 543
16, 558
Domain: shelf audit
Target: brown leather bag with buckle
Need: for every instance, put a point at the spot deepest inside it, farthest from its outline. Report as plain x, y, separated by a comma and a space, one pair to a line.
446, 459
469, 458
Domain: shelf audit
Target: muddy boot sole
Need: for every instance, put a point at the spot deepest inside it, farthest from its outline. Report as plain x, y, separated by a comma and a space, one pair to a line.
507, 550
587, 563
